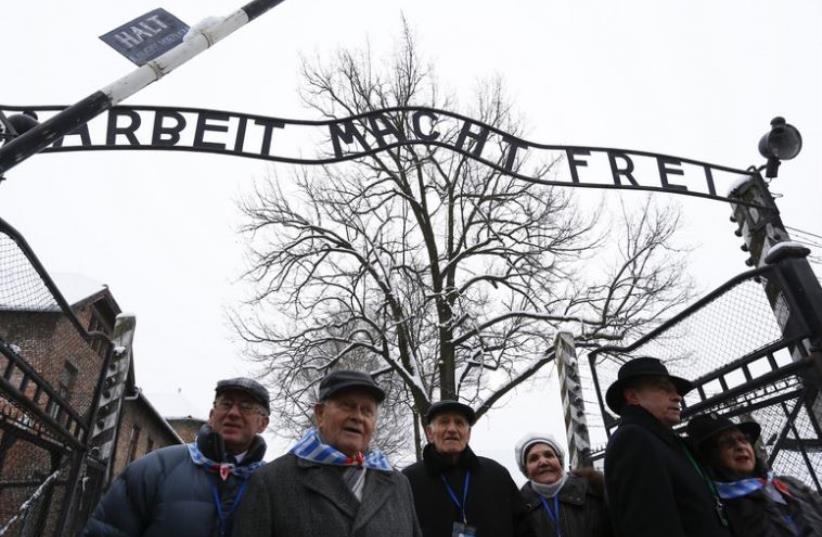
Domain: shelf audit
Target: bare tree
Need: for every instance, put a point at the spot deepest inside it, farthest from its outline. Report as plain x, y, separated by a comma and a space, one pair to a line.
441, 275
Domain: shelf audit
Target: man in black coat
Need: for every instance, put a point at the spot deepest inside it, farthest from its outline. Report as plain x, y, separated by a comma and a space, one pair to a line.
458, 493
653, 483
191, 490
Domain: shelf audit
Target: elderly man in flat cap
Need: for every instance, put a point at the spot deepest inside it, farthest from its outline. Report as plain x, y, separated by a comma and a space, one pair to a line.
457, 493
191, 490
653, 482
330, 483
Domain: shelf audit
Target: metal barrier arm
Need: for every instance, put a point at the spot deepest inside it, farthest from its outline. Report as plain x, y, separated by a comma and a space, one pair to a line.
41, 136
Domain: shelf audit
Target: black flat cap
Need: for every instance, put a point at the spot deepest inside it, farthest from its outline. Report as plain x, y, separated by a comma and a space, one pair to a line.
641, 367
702, 428
250, 386
347, 379
448, 405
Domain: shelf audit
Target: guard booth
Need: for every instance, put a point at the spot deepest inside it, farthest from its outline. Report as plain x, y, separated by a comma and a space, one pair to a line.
58, 367
752, 349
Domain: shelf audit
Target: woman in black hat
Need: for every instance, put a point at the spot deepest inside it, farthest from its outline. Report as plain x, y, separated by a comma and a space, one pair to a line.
756, 502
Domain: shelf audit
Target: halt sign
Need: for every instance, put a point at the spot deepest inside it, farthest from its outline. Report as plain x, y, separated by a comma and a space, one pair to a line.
147, 36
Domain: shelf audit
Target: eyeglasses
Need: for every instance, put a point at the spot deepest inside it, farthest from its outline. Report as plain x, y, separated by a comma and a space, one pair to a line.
728, 442
245, 407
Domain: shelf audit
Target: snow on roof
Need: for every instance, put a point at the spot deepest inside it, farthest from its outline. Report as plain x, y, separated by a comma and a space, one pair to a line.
76, 287
176, 405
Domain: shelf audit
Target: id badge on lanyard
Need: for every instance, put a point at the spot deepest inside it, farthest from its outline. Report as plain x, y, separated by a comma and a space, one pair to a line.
463, 530
460, 529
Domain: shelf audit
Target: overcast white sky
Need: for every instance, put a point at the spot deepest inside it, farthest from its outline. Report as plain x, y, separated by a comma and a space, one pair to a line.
698, 79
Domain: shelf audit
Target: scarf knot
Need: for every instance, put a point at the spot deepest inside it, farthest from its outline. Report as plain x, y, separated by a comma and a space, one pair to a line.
222, 469
311, 448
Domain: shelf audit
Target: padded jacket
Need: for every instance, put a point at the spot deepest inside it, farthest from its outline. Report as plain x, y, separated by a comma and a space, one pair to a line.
582, 511
165, 494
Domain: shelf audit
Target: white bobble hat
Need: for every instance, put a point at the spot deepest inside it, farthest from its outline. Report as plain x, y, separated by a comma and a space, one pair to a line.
521, 448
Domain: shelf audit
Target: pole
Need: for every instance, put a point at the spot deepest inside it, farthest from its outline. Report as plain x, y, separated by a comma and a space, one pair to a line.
576, 426
41, 136
795, 296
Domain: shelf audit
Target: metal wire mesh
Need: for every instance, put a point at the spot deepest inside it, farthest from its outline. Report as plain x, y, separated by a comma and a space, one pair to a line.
49, 371
737, 323
733, 348
21, 287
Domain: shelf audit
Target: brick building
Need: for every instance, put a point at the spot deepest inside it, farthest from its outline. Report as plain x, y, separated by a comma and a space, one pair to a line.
141, 429
186, 427
48, 376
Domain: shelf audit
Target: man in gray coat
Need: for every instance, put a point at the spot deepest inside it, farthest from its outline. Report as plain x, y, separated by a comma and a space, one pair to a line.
329, 483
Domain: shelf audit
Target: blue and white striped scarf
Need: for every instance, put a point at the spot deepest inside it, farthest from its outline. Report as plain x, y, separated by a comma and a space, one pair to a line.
312, 448
223, 469
736, 489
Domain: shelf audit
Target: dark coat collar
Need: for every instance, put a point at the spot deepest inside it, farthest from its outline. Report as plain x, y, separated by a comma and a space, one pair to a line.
436, 464
211, 444
636, 415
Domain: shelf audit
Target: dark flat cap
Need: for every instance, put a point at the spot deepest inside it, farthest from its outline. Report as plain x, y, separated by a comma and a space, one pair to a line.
250, 386
347, 379
636, 368
448, 405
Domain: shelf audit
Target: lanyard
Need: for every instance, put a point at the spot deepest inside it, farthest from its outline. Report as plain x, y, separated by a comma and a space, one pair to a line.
453, 495
223, 517
718, 506
553, 512
698, 468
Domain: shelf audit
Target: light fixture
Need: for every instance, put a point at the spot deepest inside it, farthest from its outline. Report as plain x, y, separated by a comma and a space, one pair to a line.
783, 142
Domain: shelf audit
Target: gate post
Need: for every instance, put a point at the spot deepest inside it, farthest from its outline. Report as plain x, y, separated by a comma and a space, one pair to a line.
107, 418
576, 426
795, 296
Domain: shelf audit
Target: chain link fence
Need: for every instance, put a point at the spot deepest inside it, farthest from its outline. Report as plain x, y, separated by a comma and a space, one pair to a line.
50, 375
732, 345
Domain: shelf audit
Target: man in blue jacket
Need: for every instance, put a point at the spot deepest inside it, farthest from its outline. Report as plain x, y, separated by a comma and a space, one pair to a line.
191, 490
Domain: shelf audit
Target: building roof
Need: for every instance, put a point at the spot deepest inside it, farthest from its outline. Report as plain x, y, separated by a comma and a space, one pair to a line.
77, 289
143, 400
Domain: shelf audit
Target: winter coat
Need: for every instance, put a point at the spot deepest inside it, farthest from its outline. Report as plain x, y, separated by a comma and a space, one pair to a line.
165, 494
582, 511
494, 507
756, 515
293, 497
652, 486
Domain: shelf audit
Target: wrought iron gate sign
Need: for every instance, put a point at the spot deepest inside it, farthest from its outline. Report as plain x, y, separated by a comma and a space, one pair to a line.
337, 140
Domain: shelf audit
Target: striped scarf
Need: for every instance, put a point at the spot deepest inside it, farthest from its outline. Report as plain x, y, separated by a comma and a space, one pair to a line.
223, 469
312, 448
736, 489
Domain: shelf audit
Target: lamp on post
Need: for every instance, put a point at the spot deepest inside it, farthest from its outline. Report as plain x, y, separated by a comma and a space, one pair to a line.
782, 142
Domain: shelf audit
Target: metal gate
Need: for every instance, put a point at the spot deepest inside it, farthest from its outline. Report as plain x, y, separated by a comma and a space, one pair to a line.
752, 349
51, 375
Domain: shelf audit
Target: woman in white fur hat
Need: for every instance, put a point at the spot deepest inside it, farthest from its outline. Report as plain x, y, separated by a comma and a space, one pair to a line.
560, 504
